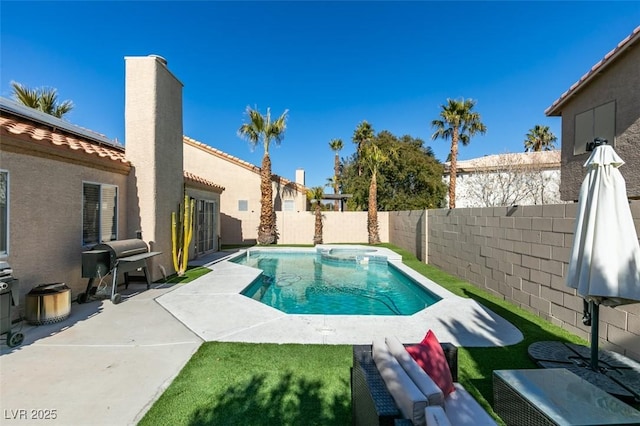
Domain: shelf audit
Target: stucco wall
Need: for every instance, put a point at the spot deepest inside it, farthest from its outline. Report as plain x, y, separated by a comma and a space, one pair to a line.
521, 254
45, 214
240, 183
338, 227
153, 131
620, 82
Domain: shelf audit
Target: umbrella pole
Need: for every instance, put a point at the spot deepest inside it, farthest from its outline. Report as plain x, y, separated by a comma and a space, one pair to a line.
594, 308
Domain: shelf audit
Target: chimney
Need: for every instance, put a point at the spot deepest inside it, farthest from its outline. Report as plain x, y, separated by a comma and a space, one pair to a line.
154, 146
300, 176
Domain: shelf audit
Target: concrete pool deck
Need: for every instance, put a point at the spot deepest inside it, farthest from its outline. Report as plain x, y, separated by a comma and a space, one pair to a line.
213, 308
107, 364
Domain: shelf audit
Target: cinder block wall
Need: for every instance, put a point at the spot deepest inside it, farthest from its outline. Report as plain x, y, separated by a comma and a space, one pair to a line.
521, 255
407, 230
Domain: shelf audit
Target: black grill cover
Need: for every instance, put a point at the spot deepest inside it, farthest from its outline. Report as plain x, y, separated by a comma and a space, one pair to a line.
123, 248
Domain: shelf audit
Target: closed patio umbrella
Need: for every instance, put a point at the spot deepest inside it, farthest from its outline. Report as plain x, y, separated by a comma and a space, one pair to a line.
604, 266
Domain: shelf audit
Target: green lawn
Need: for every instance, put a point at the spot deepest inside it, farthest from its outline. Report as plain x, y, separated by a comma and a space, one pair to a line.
269, 384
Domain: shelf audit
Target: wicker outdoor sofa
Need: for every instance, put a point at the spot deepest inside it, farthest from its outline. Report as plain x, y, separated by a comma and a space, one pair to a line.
373, 404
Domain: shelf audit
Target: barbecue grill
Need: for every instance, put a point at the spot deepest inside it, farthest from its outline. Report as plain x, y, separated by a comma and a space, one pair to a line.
113, 257
9, 296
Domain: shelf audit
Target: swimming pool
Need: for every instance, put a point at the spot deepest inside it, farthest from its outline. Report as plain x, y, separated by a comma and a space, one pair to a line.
333, 282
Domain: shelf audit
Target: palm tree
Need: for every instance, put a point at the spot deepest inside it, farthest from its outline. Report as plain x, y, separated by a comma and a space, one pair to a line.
44, 99
336, 145
260, 127
540, 138
373, 157
315, 194
362, 135
459, 122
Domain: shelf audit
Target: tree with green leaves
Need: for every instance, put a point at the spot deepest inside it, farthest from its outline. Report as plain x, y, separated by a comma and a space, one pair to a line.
412, 181
373, 157
363, 134
43, 99
258, 128
540, 138
336, 145
458, 122
315, 195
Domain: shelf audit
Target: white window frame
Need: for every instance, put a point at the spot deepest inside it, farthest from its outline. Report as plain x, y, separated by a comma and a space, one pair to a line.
100, 238
246, 205
288, 205
4, 253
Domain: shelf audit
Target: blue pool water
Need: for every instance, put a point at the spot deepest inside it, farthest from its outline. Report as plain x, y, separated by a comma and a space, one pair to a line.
338, 282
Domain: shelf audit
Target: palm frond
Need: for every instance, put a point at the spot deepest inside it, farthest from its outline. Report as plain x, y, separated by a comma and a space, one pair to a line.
43, 99
336, 145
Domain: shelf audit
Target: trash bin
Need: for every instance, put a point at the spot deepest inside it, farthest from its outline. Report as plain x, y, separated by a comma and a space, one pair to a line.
48, 304
9, 296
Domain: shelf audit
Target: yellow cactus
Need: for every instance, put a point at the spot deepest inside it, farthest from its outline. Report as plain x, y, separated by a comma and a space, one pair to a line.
181, 234
174, 253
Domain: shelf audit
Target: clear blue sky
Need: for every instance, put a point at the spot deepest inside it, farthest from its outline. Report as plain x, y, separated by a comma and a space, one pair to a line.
332, 64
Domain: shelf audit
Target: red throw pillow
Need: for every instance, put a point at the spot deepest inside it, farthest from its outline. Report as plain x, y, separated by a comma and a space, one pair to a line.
430, 356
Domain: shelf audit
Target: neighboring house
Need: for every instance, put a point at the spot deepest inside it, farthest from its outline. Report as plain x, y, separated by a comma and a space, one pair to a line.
508, 179
604, 103
240, 202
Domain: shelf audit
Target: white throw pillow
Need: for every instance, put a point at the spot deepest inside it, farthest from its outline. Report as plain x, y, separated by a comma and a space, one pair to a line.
410, 401
426, 385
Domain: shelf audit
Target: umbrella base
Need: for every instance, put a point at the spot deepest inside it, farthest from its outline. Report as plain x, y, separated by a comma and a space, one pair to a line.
616, 374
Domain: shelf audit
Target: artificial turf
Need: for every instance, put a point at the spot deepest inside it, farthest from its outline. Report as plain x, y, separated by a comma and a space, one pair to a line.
258, 384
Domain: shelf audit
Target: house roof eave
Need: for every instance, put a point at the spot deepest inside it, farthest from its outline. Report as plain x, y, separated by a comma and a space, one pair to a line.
241, 163
193, 181
555, 109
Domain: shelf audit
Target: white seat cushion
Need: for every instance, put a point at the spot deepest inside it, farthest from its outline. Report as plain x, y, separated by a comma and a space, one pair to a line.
410, 401
462, 409
435, 416
426, 385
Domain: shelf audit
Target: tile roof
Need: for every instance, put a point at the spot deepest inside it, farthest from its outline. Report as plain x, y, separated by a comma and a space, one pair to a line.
43, 133
202, 181
555, 108
240, 162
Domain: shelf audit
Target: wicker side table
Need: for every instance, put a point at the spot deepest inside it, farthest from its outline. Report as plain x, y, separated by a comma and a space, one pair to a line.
555, 396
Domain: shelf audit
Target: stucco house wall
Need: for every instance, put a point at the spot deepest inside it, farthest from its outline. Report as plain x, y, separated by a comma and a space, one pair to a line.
48, 160
45, 209
615, 78
153, 132
241, 181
